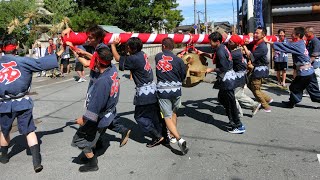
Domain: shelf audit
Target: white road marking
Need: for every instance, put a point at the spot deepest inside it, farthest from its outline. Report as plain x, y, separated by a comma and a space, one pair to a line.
318, 157
40, 80
71, 79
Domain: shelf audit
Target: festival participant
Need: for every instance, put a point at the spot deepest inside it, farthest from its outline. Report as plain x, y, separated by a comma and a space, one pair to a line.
281, 60
15, 80
259, 60
171, 72
240, 67
305, 78
95, 36
226, 81
145, 100
102, 98
313, 46
79, 67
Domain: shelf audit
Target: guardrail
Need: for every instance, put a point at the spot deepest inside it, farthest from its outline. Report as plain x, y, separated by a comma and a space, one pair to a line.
151, 49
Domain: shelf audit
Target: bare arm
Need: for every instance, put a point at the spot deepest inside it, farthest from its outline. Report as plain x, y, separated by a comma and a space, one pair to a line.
246, 50
208, 55
84, 61
114, 49
60, 51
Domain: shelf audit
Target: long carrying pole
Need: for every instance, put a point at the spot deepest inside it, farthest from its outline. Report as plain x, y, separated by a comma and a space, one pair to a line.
147, 38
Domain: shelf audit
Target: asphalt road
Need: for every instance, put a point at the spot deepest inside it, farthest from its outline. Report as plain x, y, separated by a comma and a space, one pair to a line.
279, 145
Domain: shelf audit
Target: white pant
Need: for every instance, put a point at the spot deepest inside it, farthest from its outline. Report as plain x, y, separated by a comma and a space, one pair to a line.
317, 72
243, 100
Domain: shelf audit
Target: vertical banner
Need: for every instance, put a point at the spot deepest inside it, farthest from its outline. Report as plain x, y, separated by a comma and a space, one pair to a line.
258, 15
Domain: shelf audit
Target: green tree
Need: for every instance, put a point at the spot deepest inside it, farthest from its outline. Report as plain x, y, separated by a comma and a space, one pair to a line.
165, 15
137, 15
61, 9
18, 14
85, 17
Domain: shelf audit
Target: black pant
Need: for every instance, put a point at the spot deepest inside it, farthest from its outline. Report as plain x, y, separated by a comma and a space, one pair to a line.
228, 100
116, 126
147, 117
304, 82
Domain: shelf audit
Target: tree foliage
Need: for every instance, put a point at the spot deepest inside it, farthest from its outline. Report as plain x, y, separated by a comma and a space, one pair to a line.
61, 9
130, 15
13, 13
85, 17
137, 15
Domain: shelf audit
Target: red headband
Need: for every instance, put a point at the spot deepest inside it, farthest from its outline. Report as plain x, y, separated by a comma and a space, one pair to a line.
97, 57
9, 47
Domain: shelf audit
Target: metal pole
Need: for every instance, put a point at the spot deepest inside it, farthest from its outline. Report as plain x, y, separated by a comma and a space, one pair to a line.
195, 16
238, 30
199, 24
205, 16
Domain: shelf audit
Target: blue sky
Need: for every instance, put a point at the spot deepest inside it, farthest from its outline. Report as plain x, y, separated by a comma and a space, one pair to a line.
217, 10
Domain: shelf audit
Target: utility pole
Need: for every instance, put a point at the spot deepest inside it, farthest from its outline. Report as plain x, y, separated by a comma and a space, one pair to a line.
195, 17
199, 23
238, 30
205, 16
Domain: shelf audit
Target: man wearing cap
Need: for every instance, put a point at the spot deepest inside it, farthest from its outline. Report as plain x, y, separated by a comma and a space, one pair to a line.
240, 67
15, 80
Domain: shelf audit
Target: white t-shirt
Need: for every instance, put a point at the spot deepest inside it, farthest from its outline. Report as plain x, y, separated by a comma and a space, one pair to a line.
39, 52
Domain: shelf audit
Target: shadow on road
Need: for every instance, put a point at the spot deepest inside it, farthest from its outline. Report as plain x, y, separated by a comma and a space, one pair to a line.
19, 143
191, 110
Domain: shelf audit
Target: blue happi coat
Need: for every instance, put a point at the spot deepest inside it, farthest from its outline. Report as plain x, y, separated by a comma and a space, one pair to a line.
226, 76
300, 55
102, 98
170, 71
142, 76
281, 56
260, 61
239, 66
15, 80
313, 47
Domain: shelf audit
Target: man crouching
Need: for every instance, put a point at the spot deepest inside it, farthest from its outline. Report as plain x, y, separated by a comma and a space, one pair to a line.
101, 103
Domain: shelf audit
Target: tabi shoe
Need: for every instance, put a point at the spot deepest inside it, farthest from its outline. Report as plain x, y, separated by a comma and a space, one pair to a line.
288, 104
125, 137
36, 158
83, 159
92, 165
183, 146
155, 142
4, 158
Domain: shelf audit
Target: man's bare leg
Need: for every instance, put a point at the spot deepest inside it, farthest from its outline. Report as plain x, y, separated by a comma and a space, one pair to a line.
284, 76
172, 128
